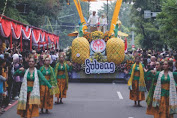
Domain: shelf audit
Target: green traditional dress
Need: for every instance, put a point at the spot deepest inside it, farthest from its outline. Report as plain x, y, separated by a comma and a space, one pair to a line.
61, 73
32, 110
163, 110
45, 96
149, 99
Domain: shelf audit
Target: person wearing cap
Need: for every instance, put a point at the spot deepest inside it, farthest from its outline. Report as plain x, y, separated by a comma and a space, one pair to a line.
93, 22
103, 23
61, 73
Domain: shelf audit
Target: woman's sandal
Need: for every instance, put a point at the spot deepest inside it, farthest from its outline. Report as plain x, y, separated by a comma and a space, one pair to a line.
57, 102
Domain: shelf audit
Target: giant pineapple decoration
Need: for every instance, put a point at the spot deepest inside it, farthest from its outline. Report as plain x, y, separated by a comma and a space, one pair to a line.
115, 48
80, 48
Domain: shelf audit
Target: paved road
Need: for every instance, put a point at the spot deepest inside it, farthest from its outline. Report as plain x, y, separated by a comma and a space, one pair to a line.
89, 100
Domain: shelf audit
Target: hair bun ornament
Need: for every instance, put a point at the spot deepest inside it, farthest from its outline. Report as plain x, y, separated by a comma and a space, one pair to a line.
46, 56
62, 54
138, 55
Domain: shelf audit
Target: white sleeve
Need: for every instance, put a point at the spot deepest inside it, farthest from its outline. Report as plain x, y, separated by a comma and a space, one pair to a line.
89, 20
2, 78
97, 20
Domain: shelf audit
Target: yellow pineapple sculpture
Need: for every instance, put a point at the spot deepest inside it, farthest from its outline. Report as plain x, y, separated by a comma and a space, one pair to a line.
115, 48
80, 48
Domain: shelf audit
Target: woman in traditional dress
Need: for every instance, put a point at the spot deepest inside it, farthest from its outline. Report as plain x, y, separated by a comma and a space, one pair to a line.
165, 96
149, 76
61, 73
136, 82
29, 98
46, 94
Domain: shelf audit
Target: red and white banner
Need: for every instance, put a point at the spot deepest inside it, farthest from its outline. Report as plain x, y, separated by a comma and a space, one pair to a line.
36, 35
26, 32
5, 27
16, 30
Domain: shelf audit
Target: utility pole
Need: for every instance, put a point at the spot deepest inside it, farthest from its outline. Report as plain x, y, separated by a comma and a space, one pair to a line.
133, 38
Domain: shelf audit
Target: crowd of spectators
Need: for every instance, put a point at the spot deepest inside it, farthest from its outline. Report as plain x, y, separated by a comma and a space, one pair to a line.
12, 60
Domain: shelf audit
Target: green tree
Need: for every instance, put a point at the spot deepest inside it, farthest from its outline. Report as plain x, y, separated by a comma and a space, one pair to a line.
36, 10
46, 14
167, 23
148, 28
67, 21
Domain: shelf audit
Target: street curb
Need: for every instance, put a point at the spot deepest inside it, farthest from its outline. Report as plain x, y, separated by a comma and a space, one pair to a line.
10, 106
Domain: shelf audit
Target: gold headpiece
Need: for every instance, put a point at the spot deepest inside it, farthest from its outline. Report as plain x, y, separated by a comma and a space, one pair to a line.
62, 54
46, 56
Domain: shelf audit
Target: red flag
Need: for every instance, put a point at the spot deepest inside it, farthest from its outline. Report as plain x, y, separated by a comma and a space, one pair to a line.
125, 44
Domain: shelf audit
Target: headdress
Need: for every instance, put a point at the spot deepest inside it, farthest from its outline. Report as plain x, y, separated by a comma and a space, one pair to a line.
62, 54
46, 56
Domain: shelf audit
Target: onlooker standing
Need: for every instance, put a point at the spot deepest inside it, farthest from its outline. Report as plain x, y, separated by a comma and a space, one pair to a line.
16, 79
2, 80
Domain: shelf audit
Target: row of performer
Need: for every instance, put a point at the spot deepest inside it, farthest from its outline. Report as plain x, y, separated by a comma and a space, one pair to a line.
162, 96
40, 86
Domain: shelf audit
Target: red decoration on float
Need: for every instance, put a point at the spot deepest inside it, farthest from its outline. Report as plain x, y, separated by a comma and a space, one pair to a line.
98, 45
125, 44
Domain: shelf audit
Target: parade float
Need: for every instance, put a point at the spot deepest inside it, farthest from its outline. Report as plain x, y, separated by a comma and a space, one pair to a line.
98, 55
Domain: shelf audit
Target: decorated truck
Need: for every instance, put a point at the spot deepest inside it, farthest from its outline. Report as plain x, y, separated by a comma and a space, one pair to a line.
98, 55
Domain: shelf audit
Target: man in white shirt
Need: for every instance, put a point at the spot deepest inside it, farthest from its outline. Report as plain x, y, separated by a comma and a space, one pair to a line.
93, 21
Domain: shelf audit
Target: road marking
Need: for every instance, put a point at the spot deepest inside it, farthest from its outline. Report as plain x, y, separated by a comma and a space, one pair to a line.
119, 95
10, 106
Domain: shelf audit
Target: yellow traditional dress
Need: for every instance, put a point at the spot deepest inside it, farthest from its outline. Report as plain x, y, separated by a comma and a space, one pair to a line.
61, 72
31, 110
45, 96
136, 83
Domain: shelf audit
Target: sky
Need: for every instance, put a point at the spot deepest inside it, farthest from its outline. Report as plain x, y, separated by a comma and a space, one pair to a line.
94, 6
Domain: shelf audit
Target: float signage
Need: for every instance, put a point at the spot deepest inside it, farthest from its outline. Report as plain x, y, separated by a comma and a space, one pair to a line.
98, 45
98, 67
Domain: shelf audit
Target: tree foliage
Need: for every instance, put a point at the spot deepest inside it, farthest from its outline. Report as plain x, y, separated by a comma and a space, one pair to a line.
167, 20
31, 12
148, 28
46, 14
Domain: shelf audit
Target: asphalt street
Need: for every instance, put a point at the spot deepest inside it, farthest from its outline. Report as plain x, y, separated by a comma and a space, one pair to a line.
93, 100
